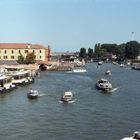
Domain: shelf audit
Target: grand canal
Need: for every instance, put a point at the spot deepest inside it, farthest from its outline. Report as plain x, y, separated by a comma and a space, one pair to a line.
93, 116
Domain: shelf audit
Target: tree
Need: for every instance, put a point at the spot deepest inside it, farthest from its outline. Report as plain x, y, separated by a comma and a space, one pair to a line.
90, 53
97, 50
111, 48
82, 53
30, 58
100, 51
21, 59
132, 49
120, 52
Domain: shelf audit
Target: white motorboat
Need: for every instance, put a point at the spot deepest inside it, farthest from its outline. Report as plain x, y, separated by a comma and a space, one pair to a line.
33, 94
21, 77
104, 84
136, 136
6, 83
79, 70
108, 72
122, 65
67, 97
100, 62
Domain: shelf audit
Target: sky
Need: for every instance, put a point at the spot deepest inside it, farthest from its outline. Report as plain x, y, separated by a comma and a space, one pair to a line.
68, 25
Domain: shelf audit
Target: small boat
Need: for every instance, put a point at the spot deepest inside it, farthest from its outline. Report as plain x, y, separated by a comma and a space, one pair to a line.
122, 65
104, 85
79, 70
33, 94
108, 72
136, 136
67, 97
100, 62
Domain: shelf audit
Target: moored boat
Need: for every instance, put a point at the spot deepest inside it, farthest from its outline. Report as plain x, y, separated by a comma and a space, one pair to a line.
21, 78
67, 97
6, 84
104, 85
33, 94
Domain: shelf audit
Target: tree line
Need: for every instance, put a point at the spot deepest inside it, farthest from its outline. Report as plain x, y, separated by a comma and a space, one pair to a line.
129, 50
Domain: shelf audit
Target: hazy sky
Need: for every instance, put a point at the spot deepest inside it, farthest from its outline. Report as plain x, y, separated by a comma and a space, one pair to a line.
68, 25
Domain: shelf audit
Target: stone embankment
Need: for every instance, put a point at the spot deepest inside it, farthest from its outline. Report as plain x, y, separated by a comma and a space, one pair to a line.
63, 66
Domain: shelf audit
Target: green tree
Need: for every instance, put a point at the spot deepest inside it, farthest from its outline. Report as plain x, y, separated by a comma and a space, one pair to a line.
97, 50
82, 53
21, 59
90, 52
111, 48
30, 58
132, 49
120, 52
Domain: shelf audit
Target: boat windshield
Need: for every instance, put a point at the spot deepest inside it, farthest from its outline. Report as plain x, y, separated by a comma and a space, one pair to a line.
68, 96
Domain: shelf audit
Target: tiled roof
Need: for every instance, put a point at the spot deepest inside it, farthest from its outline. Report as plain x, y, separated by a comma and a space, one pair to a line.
20, 46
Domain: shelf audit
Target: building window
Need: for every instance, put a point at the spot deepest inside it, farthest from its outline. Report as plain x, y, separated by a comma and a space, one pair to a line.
12, 51
12, 57
33, 51
4, 57
40, 51
40, 57
5, 51
0, 57
26, 51
19, 51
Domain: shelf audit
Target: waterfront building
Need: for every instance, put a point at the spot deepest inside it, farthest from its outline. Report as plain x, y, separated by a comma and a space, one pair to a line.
12, 51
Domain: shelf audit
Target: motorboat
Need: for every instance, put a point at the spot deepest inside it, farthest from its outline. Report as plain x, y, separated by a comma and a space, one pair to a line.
104, 84
100, 62
67, 97
108, 72
6, 84
79, 70
136, 136
122, 65
33, 94
21, 77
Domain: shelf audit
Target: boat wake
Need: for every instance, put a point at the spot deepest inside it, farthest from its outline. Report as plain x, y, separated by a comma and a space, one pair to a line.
40, 95
114, 89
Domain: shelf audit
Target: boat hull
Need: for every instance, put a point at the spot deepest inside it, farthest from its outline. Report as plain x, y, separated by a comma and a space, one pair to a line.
30, 96
66, 100
33, 94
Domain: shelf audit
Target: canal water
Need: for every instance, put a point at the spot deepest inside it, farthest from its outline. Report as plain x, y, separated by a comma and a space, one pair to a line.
93, 116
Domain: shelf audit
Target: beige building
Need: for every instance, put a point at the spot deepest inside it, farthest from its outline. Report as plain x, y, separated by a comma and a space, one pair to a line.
12, 51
